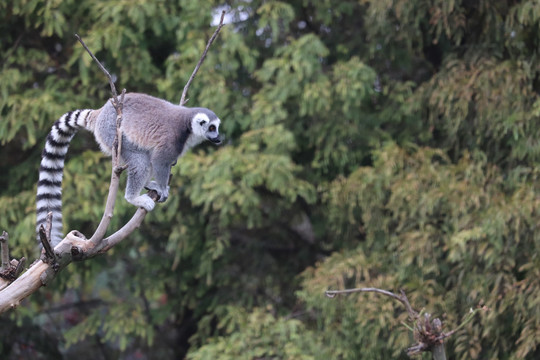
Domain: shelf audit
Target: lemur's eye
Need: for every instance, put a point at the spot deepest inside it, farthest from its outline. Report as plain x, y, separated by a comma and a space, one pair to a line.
202, 122
212, 128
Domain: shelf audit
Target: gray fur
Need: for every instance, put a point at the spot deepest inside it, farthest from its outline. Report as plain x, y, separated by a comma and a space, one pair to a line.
155, 134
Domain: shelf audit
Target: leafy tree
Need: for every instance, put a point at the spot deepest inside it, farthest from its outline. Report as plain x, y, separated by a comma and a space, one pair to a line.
389, 144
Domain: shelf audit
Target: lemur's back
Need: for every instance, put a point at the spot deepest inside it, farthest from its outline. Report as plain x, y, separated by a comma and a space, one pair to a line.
147, 120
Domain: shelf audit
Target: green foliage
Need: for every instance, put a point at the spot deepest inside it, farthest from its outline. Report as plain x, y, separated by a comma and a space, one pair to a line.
454, 233
389, 144
227, 183
489, 97
259, 334
276, 16
117, 325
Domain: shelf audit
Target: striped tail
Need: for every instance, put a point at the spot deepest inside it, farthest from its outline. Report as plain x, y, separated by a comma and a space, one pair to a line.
49, 189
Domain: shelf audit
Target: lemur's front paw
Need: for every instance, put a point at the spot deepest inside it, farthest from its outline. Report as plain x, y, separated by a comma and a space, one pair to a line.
143, 201
162, 193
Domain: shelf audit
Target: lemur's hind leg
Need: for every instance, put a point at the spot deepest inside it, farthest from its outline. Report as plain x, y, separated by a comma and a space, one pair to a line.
161, 172
139, 172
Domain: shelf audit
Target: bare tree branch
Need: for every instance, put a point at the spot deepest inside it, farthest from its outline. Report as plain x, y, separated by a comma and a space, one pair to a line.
111, 82
115, 174
117, 144
183, 99
413, 314
427, 331
128, 228
26, 284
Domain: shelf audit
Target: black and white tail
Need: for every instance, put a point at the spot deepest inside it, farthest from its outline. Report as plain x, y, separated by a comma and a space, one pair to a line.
49, 188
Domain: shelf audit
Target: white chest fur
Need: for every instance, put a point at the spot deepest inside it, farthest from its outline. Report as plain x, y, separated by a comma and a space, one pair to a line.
192, 140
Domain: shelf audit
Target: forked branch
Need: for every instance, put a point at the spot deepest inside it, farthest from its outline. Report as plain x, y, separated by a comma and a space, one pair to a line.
427, 332
413, 314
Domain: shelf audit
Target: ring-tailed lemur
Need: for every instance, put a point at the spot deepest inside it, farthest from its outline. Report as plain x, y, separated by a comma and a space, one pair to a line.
155, 133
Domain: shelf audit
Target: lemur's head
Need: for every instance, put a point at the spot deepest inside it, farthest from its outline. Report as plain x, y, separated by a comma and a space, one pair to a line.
205, 125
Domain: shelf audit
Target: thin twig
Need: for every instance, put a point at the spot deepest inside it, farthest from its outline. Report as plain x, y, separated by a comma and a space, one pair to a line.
4, 250
184, 93
115, 174
401, 298
467, 320
413, 314
128, 228
111, 82
109, 207
117, 145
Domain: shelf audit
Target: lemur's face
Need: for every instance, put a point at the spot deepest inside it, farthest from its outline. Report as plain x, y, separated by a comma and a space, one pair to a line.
205, 125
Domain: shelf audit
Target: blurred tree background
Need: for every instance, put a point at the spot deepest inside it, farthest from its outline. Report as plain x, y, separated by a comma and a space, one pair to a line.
389, 143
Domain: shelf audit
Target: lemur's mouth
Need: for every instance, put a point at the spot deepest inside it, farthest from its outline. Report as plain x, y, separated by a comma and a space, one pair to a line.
216, 140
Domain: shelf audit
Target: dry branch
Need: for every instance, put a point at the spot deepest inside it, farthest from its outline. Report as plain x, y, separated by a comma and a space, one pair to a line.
26, 284
427, 331
413, 314
183, 99
115, 173
118, 105
109, 77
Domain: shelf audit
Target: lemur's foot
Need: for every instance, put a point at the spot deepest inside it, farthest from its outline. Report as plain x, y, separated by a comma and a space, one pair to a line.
143, 201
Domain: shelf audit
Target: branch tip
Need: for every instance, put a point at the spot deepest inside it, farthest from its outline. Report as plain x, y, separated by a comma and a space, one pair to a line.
111, 82
183, 99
